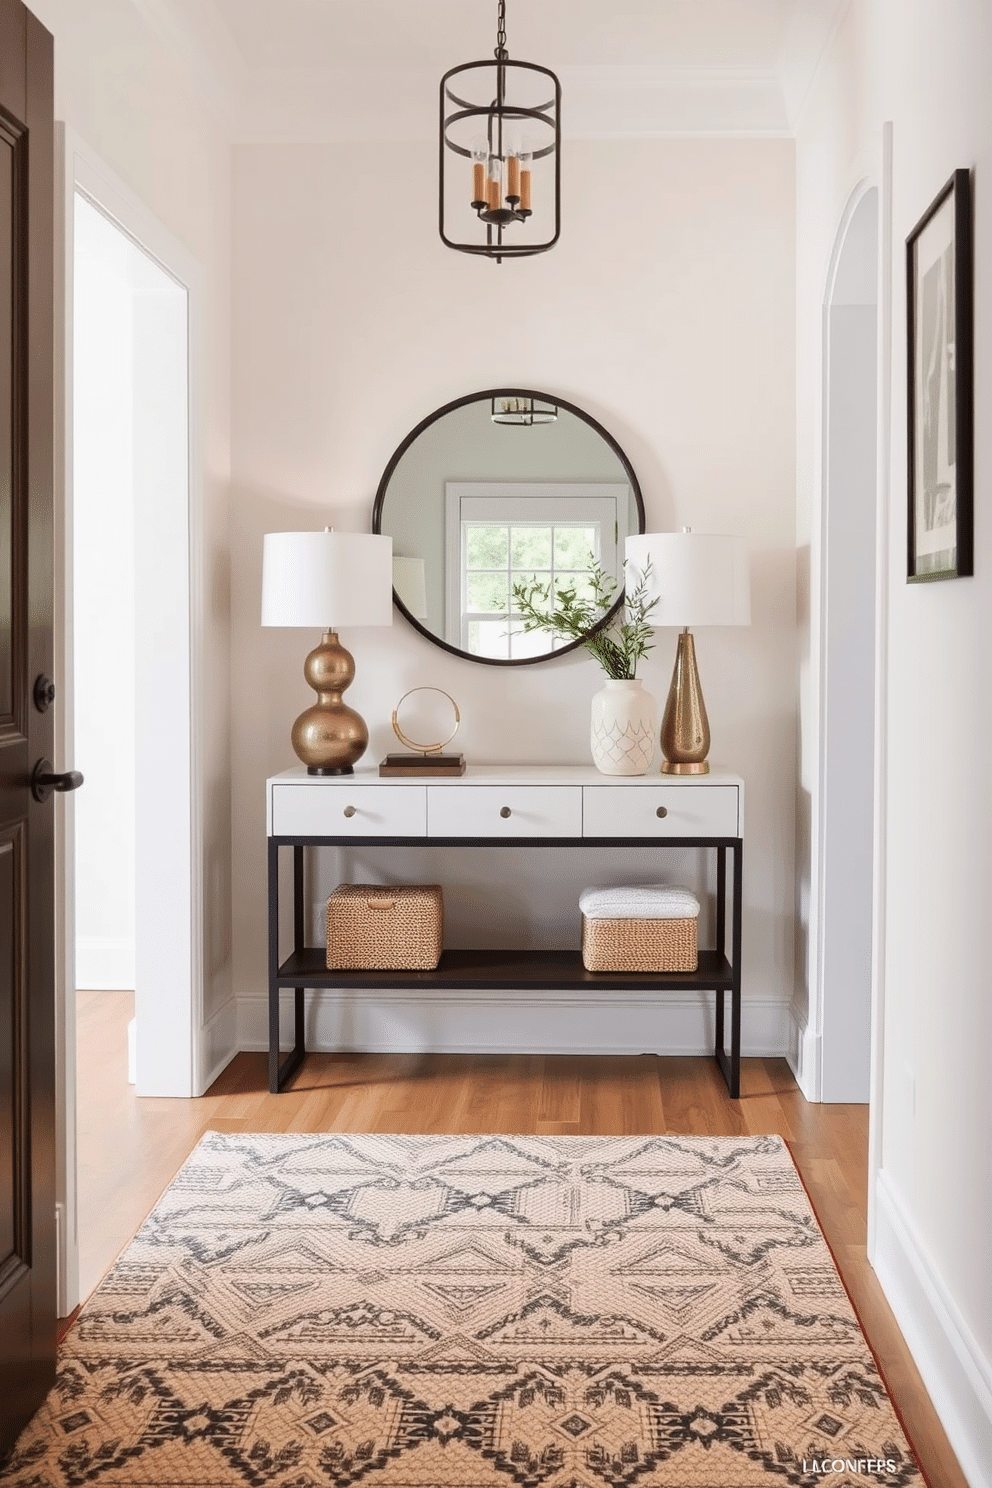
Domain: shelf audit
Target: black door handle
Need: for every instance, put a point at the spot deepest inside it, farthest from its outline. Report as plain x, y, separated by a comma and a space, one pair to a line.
44, 780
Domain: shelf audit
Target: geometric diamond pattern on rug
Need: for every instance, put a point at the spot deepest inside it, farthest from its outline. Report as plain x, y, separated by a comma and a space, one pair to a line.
378, 1311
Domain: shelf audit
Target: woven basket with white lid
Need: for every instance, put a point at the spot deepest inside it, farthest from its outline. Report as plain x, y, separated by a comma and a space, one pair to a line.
639, 927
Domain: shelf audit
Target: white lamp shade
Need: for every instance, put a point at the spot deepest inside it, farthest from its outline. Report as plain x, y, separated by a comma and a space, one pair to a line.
322, 580
700, 578
410, 584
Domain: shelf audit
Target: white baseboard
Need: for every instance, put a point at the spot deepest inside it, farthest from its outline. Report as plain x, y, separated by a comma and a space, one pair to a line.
957, 1375
513, 1022
804, 1055
218, 1044
105, 965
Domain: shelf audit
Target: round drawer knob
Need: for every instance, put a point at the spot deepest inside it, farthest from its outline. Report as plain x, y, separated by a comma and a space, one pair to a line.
504, 812
662, 811
349, 810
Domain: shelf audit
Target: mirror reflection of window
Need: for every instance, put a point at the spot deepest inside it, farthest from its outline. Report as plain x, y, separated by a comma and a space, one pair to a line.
499, 555
460, 451
502, 534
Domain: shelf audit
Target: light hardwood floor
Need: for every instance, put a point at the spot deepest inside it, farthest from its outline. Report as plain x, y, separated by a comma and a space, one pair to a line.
130, 1149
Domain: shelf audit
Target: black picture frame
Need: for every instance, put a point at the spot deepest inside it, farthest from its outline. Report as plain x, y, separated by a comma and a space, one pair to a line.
940, 371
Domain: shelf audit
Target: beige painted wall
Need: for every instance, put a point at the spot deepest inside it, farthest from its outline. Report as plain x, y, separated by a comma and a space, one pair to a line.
669, 317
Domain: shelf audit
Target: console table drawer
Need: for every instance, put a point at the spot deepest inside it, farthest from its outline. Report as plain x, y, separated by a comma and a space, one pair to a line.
504, 811
349, 811
661, 811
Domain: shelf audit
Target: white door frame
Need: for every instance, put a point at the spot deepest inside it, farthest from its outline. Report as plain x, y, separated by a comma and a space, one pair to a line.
842, 995
879, 867
170, 764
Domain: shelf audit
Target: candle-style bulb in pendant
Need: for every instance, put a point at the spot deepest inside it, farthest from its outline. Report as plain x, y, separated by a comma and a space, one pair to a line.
480, 161
513, 179
495, 183
525, 180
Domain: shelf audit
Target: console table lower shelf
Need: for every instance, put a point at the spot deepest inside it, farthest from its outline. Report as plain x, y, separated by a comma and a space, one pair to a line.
489, 970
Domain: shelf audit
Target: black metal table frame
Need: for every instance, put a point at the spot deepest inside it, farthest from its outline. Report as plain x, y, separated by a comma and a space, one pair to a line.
306, 967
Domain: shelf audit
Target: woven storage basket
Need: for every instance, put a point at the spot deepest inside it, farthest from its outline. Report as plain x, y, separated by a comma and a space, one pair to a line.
639, 945
399, 927
650, 927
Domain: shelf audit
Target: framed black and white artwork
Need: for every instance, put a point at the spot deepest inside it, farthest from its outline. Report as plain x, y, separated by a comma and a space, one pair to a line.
940, 410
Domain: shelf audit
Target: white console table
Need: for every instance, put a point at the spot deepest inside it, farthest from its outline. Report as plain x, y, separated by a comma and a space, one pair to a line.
514, 806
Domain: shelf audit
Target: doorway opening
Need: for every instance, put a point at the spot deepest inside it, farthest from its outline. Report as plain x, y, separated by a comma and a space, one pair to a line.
129, 855
130, 625
848, 547
129, 463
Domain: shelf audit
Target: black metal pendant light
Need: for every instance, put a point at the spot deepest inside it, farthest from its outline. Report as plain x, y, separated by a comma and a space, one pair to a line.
500, 148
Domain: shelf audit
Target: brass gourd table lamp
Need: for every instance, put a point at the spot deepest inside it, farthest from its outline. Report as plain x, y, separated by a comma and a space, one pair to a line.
698, 578
321, 580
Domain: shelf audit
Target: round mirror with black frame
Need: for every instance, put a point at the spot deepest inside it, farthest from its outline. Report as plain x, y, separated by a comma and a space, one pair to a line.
502, 487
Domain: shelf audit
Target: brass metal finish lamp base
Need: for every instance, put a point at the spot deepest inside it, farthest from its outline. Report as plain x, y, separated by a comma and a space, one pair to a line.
329, 737
685, 729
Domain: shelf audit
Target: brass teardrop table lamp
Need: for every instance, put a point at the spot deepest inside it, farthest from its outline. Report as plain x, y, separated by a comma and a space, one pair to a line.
699, 578
321, 580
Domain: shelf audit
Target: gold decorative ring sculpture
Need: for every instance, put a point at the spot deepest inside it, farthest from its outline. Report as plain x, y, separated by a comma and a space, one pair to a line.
410, 743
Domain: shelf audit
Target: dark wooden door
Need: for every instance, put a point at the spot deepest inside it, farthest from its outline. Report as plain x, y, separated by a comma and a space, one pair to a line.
27, 980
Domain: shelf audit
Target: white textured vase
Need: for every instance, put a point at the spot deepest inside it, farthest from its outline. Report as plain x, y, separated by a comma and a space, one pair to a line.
623, 729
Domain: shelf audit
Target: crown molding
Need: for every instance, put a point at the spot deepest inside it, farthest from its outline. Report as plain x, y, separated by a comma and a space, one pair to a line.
337, 104
644, 102
313, 105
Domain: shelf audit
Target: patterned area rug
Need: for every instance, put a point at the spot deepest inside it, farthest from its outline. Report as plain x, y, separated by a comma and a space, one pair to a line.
413, 1312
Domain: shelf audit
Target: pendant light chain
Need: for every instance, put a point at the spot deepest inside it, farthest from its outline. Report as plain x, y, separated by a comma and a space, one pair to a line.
501, 52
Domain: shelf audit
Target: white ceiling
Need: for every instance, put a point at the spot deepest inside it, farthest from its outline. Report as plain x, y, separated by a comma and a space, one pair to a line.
301, 70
